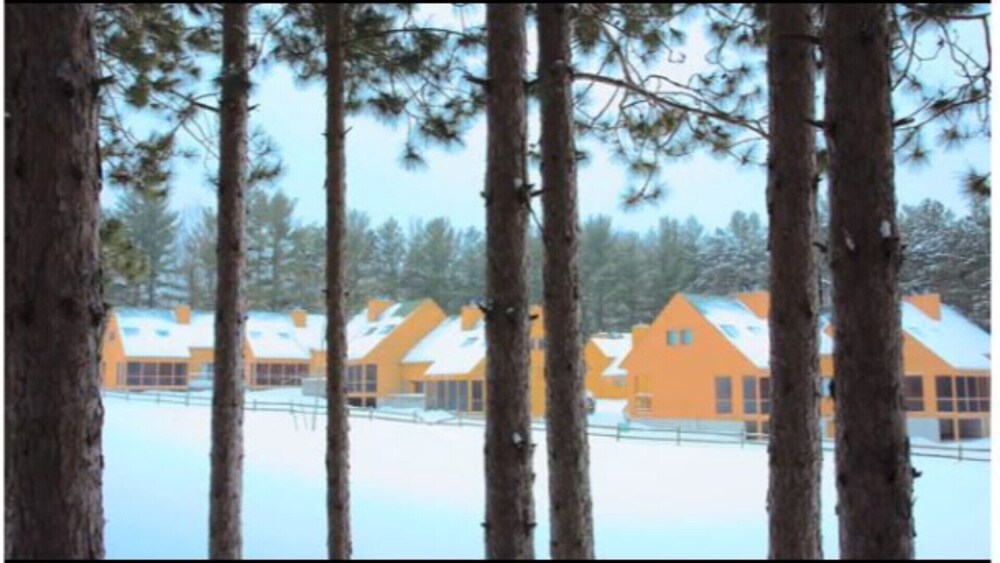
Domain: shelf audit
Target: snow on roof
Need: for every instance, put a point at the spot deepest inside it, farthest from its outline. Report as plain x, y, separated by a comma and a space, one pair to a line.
449, 349
271, 336
615, 346
738, 324
364, 335
953, 338
152, 333
156, 333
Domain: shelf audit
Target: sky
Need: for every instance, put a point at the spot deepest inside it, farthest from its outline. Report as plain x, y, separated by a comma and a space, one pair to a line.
702, 186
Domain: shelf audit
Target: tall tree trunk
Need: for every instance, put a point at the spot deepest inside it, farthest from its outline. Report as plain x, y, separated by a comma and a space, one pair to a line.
337, 450
510, 511
225, 536
569, 457
794, 449
54, 312
874, 479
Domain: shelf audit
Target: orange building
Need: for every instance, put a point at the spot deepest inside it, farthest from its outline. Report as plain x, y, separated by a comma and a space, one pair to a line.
449, 366
705, 364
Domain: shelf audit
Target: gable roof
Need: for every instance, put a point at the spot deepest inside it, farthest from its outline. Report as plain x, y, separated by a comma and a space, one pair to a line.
953, 338
363, 335
449, 349
152, 333
615, 346
747, 332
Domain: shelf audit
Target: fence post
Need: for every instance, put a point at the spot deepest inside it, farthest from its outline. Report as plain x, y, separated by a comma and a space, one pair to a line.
371, 413
618, 432
743, 437
960, 451
415, 417
187, 398
157, 397
678, 435
128, 394
459, 418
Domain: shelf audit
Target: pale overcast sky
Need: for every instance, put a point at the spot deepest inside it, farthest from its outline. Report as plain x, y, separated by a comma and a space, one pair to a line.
707, 188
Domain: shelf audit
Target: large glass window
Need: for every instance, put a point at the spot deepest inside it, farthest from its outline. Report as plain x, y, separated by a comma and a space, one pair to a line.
723, 395
961, 394
750, 395
945, 394
913, 393
765, 395
371, 378
946, 427
463, 396
477, 396
969, 428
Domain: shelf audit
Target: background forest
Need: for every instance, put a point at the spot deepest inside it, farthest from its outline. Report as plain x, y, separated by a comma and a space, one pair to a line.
155, 260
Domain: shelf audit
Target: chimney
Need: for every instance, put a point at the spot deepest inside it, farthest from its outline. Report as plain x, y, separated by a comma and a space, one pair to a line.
929, 304
299, 318
638, 332
757, 301
183, 314
376, 307
470, 315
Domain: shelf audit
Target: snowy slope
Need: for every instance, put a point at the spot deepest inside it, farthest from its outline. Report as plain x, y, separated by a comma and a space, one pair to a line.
417, 492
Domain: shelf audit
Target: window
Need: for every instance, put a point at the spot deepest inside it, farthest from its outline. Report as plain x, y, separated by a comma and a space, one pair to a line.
961, 394
418, 386
984, 394
945, 400
643, 402
452, 395
756, 395
671, 338
971, 388
765, 395
765, 427
441, 396
685, 337
371, 378
969, 428
618, 381
477, 396
134, 371
749, 394
750, 428
207, 370
723, 395
946, 427
913, 393
463, 396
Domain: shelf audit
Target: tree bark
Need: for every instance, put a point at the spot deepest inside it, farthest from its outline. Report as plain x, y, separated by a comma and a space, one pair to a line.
54, 311
794, 449
225, 536
874, 480
510, 513
337, 450
570, 515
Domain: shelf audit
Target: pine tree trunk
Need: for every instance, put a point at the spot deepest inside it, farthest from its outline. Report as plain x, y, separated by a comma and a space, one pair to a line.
794, 449
510, 517
54, 305
874, 480
225, 536
337, 450
566, 415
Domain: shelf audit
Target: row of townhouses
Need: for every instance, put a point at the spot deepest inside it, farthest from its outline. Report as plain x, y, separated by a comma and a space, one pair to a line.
702, 363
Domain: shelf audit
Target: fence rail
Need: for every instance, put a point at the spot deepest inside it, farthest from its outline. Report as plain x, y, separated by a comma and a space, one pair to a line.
675, 435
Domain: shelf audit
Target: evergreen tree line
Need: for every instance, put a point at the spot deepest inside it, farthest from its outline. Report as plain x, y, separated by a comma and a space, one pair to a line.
626, 276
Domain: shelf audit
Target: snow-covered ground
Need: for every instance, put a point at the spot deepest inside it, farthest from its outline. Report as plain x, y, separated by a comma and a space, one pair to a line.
417, 491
